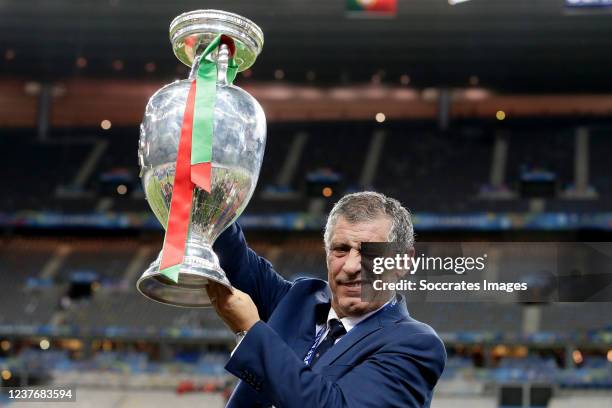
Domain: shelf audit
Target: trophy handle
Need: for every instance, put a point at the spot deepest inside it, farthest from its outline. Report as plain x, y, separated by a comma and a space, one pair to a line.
221, 56
196, 29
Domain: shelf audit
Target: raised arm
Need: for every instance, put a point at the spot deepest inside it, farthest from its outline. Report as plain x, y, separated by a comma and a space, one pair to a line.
250, 272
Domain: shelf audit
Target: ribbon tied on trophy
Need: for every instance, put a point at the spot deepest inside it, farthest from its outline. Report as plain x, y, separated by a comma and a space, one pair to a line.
193, 162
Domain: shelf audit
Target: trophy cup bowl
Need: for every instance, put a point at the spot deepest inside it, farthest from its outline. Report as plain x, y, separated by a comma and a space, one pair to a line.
239, 135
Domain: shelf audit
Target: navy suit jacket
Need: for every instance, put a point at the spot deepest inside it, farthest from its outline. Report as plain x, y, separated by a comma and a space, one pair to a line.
388, 360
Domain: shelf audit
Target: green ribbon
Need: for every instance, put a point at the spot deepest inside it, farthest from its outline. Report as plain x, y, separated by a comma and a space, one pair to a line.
202, 136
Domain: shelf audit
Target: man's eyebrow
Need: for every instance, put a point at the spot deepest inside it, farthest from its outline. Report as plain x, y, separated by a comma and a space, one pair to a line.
340, 245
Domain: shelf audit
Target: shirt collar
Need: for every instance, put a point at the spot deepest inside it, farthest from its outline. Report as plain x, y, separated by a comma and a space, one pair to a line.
351, 321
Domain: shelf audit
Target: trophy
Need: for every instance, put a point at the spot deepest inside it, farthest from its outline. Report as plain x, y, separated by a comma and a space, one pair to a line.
201, 146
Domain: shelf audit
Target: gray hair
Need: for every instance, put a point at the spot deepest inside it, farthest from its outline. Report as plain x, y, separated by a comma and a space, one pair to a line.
367, 206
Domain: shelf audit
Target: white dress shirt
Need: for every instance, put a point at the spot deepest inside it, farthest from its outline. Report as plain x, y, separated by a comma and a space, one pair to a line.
348, 322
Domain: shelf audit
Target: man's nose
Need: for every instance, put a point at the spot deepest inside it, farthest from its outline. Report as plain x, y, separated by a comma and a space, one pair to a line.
353, 262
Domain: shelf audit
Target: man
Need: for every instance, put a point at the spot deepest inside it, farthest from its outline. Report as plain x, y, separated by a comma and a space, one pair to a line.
312, 343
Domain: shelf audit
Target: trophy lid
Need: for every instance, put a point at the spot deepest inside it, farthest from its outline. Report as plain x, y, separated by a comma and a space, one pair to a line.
196, 29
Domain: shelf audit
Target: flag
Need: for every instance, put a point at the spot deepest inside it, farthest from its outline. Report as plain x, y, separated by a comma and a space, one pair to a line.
371, 8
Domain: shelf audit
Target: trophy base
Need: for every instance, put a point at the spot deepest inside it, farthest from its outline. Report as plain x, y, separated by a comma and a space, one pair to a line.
200, 266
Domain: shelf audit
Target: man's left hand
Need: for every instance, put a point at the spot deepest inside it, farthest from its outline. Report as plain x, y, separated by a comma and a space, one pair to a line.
235, 307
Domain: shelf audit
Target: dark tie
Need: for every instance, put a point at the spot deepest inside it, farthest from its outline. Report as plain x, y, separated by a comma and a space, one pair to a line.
336, 330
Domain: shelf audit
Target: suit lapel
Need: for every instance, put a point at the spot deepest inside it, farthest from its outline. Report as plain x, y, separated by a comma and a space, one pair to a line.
305, 336
360, 331
298, 327
363, 329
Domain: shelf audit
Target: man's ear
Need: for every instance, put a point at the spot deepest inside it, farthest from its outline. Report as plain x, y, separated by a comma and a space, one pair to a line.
403, 272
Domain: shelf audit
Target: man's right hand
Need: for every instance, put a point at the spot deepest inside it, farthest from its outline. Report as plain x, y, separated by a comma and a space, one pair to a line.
235, 307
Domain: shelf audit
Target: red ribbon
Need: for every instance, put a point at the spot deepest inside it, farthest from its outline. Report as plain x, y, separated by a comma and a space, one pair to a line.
182, 195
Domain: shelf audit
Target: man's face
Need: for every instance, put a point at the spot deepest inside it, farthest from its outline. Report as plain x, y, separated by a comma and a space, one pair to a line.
344, 263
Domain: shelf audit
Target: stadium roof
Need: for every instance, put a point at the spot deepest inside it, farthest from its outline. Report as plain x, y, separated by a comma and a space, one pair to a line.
508, 45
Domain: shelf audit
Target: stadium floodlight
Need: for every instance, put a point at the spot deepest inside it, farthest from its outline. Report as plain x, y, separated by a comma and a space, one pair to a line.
453, 2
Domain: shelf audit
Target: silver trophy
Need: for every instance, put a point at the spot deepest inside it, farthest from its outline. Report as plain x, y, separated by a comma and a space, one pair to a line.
239, 136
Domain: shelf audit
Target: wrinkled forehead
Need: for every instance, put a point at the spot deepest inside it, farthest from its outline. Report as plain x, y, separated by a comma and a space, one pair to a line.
353, 233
